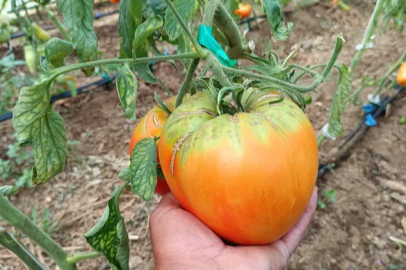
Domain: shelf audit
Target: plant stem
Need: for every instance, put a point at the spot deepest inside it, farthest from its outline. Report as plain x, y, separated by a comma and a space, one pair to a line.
202, 53
187, 83
16, 218
217, 69
300, 89
209, 11
337, 49
61, 70
15, 246
75, 258
57, 23
389, 72
320, 140
226, 24
369, 32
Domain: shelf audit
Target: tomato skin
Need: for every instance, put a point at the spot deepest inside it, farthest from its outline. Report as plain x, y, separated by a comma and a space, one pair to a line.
151, 125
114, 1
401, 77
40, 33
244, 10
248, 177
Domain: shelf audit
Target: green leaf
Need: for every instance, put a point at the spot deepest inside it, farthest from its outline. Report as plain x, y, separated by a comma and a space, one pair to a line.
36, 123
8, 190
56, 50
335, 128
402, 121
109, 236
124, 174
185, 9
158, 6
145, 30
143, 69
273, 13
72, 88
184, 47
78, 15
130, 16
127, 89
143, 168
321, 204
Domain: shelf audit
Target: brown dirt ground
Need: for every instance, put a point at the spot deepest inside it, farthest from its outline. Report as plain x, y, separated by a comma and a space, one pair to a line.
350, 234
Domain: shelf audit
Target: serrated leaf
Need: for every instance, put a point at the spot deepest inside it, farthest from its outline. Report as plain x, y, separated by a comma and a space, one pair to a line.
8, 190
36, 123
56, 50
143, 168
78, 17
127, 89
185, 9
335, 128
124, 174
130, 16
273, 13
109, 236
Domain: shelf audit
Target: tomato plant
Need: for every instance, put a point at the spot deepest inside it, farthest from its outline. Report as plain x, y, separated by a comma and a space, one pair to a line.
231, 129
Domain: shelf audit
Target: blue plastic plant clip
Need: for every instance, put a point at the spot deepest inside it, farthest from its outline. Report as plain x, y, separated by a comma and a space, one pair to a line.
370, 121
369, 108
206, 39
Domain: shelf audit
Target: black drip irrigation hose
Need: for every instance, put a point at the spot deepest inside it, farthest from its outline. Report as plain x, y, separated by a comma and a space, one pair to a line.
67, 94
379, 110
97, 16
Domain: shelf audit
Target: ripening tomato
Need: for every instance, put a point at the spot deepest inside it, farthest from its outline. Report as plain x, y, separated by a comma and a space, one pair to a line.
151, 125
244, 10
247, 176
114, 1
401, 77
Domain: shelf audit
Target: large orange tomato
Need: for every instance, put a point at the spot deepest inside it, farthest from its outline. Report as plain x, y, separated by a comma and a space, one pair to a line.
247, 176
401, 77
151, 125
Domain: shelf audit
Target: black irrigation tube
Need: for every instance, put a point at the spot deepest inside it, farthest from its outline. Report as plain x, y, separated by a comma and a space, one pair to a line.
97, 16
67, 94
356, 134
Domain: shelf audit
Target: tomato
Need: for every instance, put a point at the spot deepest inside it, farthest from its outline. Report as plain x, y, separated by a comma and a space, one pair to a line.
247, 176
151, 125
30, 57
244, 10
4, 36
401, 77
114, 1
40, 33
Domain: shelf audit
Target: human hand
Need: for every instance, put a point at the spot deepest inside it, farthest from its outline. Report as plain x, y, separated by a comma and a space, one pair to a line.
181, 241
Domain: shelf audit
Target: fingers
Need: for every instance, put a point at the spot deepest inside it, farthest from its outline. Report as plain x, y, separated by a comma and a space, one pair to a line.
296, 234
168, 200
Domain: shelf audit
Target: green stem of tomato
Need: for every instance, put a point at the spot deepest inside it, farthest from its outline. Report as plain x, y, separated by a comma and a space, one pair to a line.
24, 224
57, 23
75, 258
369, 32
202, 53
300, 89
337, 49
61, 70
11, 243
217, 69
389, 72
209, 11
187, 83
320, 140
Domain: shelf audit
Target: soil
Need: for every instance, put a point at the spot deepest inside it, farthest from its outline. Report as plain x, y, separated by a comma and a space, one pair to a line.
352, 233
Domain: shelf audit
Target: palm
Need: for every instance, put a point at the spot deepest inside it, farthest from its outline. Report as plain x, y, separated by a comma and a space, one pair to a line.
181, 241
